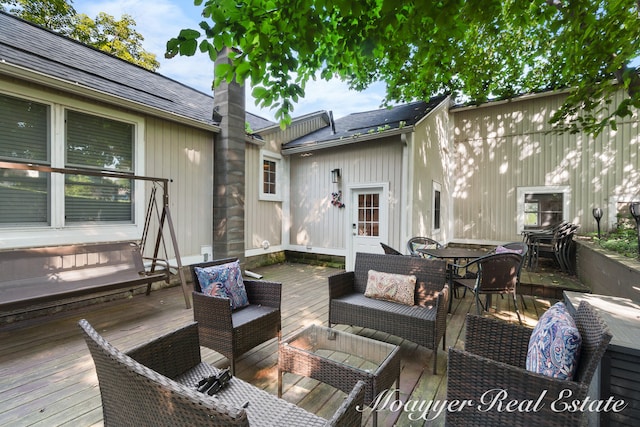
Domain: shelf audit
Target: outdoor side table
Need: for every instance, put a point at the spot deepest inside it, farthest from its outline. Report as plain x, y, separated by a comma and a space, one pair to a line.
340, 359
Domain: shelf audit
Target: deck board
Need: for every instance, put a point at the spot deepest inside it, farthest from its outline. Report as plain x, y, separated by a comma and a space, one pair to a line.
47, 377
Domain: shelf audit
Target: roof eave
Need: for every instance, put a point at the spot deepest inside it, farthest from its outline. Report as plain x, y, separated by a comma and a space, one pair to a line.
276, 127
27, 74
346, 140
519, 98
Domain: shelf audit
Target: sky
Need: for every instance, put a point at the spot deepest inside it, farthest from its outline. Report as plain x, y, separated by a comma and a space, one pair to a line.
160, 20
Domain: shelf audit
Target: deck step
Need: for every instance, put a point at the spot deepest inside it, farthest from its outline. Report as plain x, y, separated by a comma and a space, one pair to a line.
546, 284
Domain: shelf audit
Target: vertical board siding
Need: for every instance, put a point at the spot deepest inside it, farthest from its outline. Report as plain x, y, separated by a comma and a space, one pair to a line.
299, 128
500, 148
184, 155
315, 222
431, 162
263, 219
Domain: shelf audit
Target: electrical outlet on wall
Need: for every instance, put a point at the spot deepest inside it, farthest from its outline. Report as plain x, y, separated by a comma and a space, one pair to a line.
206, 252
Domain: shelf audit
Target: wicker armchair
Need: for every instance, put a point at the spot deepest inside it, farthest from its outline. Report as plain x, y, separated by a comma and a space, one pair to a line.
234, 332
415, 243
155, 385
494, 359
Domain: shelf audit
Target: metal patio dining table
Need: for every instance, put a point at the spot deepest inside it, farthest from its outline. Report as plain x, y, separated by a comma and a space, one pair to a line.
454, 254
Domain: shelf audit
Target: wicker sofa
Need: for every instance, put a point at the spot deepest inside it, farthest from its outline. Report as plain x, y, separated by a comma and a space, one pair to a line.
155, 385
493, 363
424, 323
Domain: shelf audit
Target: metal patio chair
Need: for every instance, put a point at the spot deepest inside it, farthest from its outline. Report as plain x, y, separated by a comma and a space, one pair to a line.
496, 274
389, 250
418, 242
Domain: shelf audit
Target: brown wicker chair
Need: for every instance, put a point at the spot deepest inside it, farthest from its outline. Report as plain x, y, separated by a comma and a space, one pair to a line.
497, 273
424, 323
494, 359
155, 385
234, 332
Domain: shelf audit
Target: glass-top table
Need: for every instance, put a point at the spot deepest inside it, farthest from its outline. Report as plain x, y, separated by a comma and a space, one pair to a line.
341, 359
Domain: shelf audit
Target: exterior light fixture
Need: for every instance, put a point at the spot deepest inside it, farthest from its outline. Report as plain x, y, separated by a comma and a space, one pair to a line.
597, 214
634, 208
335, 176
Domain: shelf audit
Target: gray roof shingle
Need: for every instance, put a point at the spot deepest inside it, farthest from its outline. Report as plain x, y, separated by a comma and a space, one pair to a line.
38, 49
370, 122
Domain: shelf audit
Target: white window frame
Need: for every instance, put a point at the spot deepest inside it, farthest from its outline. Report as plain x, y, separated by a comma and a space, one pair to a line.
547, 189
436, 187
58, 232
277, 159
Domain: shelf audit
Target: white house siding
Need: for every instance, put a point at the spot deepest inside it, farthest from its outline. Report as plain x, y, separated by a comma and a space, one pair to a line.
263, 219
298, 128
168, 150
431, 162
502, 146
317, 225
184, 155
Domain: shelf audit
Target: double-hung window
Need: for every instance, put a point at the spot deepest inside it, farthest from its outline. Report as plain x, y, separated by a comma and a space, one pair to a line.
24, 138
49, 133
98, 143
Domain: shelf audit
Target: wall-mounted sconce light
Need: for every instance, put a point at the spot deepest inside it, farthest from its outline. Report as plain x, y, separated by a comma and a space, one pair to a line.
597, 214
335, 176
634, 208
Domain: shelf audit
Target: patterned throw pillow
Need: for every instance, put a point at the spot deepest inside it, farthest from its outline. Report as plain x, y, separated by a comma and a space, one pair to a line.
391, 287
224, 281
235, 286
211, 281
554, 346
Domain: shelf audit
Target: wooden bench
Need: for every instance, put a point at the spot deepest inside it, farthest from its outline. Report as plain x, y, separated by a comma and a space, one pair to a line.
33, 276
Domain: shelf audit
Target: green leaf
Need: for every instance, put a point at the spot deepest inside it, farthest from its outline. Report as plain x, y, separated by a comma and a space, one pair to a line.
259, 92
188, 47
242, 71
222, 70
189, 34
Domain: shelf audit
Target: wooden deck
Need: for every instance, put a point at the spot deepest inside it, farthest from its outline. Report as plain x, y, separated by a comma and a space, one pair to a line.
47, 377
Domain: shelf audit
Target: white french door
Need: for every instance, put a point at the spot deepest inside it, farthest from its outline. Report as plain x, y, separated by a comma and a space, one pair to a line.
369, 220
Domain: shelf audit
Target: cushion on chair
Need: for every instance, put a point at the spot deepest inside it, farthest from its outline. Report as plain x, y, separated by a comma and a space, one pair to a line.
391, 287
503, 250
225, 281
554, 346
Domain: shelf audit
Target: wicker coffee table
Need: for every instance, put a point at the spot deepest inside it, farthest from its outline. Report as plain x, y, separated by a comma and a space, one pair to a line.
340, 359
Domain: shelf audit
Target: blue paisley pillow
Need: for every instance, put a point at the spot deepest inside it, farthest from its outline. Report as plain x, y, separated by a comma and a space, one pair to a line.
211, 281
554, 346
224, 281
